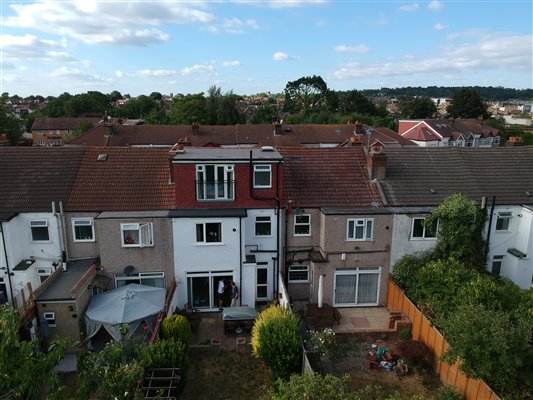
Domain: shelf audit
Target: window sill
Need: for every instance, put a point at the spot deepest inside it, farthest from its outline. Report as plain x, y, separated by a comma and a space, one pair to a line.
201, 244
300, 235
417, 239
84, 241
360, 240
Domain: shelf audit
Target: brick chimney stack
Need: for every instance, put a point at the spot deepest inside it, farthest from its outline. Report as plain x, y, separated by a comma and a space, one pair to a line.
277, 128
359, 128
376, 163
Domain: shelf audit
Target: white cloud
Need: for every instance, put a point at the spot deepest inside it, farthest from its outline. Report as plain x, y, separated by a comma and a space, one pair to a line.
206, 69
132, 23
232, 25
235, 63
435, 5
146, 73
409, 7
290, 3
491, 51
29, 47
439, 26
360, 48
280, 56
77, 74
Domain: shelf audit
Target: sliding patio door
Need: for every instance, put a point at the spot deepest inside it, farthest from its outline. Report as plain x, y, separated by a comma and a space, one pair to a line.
357, 287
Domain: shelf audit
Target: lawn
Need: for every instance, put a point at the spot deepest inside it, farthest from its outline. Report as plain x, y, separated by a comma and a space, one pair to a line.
215, 374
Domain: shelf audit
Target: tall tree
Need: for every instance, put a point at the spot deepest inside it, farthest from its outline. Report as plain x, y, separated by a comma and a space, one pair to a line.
185, 109
10, 126
417, 107
306, 94
354, 101
467, 103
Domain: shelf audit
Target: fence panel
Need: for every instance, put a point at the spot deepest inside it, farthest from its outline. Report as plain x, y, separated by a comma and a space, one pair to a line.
422, 330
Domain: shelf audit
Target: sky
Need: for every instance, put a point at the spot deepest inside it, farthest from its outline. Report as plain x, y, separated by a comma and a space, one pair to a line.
249, 47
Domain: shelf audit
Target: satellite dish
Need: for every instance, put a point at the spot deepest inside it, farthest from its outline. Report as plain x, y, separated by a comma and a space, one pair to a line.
128, 270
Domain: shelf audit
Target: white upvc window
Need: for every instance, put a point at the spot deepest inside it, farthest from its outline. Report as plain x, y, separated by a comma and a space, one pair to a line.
302, 225
50, 318
43, 273
299, 274
83, 229
215, 182
155, 279
262, 176
497, 262
263, 226
360, 229
39, 230
209, 232
419, 231
503, 220
137, 235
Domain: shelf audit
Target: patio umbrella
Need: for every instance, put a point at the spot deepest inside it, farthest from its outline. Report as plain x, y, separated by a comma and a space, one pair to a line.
320, 290
130, 304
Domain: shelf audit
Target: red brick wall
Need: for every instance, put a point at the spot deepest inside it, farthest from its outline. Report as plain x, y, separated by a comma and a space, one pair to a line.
185, 179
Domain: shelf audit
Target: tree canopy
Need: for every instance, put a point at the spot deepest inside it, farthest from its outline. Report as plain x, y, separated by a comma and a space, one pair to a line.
419, 107
306, 94
467, 103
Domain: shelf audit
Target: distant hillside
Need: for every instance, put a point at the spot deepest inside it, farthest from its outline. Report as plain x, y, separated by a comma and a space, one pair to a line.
487, 92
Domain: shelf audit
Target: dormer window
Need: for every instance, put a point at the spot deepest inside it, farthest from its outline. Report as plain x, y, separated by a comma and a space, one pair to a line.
215, 182
503, 220
262, 176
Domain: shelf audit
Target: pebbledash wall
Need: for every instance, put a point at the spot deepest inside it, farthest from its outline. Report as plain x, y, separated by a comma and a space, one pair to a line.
471, 389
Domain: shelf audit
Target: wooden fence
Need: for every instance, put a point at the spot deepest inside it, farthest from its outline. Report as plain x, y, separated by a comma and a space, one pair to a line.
472, 389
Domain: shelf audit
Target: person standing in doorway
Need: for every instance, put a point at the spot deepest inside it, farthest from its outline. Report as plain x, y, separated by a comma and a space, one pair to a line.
220, 293
234, 294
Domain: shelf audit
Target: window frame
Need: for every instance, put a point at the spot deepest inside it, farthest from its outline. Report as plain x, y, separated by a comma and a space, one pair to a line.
263, 169
264, 222
497, 259
145, 234
299, 268
424, 229
301, 224
80, 221
36, 223
50, 318
204, 233
228, 183
503, 216
139, 277
365, 222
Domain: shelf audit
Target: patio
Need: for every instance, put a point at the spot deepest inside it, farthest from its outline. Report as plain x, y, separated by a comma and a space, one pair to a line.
210, 330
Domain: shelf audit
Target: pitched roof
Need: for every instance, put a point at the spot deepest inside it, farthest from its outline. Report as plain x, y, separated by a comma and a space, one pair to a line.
62, 123
129, 179
225, 135
447, 128
426, 176
327, 177
31, 178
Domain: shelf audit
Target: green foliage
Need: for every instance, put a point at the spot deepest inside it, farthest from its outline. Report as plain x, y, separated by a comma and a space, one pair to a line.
405, 334
166, 353
417, 107
83, 127
106, 375
276, 341
491, 346
319, 341
437, 286
461, 222
312, 386
306, 94
156, 116
186, 109
467, 103
405, 270
449, 393
176, 327
416, 353
10, 126
23, 368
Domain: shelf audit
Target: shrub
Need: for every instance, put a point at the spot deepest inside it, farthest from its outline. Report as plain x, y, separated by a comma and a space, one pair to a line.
416, 353
405, 334
176, 327
448, 393
276, 341
319, 341
405, 270
166, 353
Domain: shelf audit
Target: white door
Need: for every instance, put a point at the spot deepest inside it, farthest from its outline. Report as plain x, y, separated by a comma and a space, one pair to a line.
263, 281
357, 287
